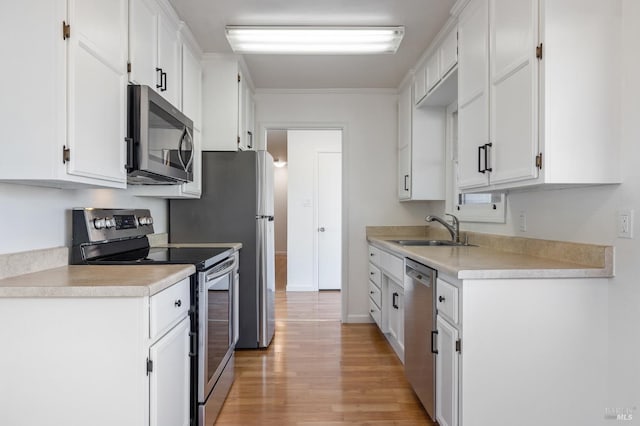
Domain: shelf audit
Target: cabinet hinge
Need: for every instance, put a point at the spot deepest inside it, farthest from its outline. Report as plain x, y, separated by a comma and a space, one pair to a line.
539, 161
128, 67
459, 346
149, 366
66, 30
66, 154
539, 51
239, 78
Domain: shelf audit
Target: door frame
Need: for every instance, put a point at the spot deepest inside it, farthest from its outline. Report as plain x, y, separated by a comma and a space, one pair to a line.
343, 126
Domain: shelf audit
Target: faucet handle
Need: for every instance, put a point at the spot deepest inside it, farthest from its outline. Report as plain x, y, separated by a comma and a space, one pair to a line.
455, 219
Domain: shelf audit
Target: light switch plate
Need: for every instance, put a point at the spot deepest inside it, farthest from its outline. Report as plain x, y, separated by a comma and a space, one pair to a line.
624, 224
523, 222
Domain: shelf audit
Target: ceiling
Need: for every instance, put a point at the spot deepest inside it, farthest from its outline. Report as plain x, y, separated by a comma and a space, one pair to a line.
422, 20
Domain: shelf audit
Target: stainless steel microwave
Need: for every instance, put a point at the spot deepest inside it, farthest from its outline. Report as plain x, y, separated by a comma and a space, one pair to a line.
159, 140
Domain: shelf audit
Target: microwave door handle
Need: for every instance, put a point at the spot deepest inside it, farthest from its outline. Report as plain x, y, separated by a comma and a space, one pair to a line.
185, 135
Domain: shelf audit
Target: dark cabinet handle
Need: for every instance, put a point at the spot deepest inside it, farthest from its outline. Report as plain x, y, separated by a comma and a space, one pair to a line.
480, 169
434, 333
486, 157
177, 303
405, 182
441, 299
159, 84
394, 300
164, 82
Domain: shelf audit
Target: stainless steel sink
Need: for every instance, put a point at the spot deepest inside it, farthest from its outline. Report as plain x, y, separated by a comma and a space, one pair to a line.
428, 243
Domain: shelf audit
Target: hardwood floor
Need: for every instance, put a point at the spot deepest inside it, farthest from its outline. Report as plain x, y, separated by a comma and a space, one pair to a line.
318, 371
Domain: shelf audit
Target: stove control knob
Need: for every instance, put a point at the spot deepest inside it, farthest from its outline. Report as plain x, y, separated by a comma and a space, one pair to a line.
110, 222
143, 220
99, 223
149, 220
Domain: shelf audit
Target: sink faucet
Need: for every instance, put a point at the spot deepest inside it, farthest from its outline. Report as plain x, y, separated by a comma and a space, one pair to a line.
454, 229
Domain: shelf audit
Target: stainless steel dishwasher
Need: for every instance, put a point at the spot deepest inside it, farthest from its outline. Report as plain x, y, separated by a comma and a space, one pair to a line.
420, 331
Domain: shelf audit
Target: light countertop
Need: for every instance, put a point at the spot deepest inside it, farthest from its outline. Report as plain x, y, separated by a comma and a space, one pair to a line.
466, 262
95, 281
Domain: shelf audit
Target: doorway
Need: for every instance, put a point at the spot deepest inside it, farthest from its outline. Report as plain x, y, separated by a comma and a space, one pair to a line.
308, 210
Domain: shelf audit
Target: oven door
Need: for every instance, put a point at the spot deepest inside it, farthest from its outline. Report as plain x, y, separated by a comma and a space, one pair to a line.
215, 324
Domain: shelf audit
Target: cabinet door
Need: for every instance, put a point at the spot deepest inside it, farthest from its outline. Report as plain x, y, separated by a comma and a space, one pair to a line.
433, 71
143, 42
97, 57
404, 172
242, 113
420, 84
250, 120
473, 93
514, 89
447, 374
404, 117
169, 380
448, 52
192, 87
169, 61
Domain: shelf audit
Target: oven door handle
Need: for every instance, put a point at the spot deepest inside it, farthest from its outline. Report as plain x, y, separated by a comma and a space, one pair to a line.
220, 273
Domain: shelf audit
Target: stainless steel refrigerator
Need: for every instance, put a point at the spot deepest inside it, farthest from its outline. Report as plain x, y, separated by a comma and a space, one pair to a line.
237, 206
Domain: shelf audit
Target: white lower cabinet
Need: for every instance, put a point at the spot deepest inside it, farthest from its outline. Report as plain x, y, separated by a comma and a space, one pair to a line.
386, 296
99, 361
521, 351
169, 380
447, 374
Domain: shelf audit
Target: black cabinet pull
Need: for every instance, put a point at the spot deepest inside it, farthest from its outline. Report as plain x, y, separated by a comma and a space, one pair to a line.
480, 169
406, 188
159, 76
441, 299
164, 82
433, 334
394, 300
177, 303
486, 157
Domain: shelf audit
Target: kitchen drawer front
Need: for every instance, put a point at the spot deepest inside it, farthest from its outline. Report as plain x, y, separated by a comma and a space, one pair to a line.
375, 275
447, 300
168, 308
374, 311
375, 294
393, 266
374, 255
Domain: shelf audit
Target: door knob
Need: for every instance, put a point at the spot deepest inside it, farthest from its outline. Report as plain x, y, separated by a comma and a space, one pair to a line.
321, 229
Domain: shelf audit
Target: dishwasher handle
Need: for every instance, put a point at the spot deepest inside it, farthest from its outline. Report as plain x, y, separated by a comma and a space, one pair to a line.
422, 277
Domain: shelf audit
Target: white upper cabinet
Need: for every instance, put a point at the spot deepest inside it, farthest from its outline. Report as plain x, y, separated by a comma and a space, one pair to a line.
57, 133
420, 160
192, 85
432, 71
420, 84
436, 69
448, 52
154, 49
227, 105
536, 103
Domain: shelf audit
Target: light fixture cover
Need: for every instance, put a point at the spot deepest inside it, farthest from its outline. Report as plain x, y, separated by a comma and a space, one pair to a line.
289, 40
279, 163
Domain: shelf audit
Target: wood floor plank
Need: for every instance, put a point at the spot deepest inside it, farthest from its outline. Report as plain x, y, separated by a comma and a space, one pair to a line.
320, 372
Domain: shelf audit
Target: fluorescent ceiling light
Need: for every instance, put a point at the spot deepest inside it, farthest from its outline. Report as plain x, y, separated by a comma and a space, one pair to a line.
314, 40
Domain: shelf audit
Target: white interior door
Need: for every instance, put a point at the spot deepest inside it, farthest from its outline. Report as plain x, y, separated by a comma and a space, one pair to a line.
329, 220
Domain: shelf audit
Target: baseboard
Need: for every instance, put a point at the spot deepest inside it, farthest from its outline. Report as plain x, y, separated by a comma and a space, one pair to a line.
359, 318
294, 288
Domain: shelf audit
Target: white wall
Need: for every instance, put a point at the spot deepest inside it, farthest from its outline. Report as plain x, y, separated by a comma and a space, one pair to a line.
280, 180
303, 147
369, 119
589, 215
35, 218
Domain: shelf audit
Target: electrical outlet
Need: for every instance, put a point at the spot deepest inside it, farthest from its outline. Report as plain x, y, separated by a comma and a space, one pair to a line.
625, 224
523, 222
